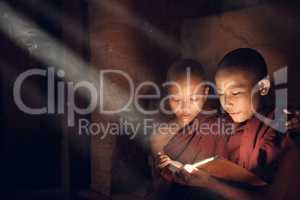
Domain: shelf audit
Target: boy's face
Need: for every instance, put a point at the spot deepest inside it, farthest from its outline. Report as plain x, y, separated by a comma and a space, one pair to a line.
234, 88
187, 98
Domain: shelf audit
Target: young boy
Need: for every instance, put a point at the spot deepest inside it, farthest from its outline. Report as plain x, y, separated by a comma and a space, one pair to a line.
187, 94
255, 146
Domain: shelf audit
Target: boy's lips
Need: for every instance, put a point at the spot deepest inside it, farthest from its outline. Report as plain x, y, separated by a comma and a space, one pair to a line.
186, 116
234, 114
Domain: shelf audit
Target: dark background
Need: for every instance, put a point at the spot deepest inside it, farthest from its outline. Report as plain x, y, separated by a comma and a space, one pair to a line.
41, 157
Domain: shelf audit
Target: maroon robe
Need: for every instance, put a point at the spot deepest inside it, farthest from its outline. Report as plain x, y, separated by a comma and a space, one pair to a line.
257, 147
254, 145
193, 143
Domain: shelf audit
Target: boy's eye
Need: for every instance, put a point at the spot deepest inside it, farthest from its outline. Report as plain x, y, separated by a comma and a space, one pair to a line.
176, 99
236, 93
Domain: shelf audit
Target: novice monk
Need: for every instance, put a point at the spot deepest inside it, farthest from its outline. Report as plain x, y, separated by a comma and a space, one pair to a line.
183, 79
187, 143
255, 146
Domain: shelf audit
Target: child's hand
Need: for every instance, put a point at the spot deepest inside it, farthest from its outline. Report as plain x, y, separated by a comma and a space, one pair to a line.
192, 176
163, 161
294, 121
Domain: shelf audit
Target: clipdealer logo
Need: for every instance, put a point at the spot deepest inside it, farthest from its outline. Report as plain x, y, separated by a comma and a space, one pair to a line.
61, 95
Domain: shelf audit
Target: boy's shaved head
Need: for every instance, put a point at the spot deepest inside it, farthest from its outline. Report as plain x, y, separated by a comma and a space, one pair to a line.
247, 60
188, 92
180, 68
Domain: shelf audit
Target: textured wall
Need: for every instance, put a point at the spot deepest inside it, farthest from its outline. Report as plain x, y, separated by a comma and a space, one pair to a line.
122, 37
272, 30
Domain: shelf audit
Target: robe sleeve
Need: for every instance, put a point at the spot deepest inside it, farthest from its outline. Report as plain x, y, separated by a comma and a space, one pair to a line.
266, 155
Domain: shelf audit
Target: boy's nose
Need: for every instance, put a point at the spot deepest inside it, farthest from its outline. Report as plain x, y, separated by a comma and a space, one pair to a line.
185, 106
228, 103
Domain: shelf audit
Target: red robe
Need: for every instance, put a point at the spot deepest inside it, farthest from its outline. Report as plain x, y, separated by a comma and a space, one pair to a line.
193, 143
257, 147
253, 145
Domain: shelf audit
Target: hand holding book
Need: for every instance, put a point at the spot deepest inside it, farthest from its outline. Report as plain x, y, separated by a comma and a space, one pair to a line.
219, 168
163, 162
196, 178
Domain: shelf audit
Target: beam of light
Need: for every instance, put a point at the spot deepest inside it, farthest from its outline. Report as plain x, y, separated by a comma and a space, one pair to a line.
149, 30
57, 55
152, 32
75, 68
70, 26
13, 24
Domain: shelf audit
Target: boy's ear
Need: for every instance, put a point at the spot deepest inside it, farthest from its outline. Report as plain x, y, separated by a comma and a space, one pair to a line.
264, 86
206, 91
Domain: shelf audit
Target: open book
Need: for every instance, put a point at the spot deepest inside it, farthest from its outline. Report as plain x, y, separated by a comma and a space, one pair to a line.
223, 169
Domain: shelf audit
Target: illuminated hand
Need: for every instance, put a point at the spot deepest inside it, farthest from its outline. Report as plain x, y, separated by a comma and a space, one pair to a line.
189, 175
294, 121
163, 160
166, 166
